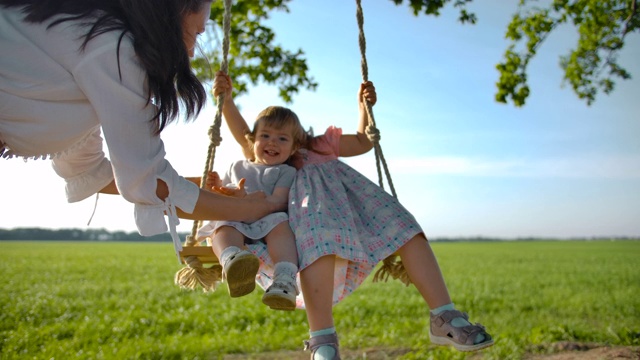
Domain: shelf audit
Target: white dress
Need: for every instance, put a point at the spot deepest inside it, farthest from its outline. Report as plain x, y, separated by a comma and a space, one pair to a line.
257, 177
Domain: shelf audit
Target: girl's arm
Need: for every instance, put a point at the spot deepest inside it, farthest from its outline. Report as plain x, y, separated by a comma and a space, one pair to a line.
280, 196
359, 143
237, 124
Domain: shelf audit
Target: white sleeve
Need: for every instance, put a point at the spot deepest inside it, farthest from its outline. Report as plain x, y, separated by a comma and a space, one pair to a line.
287, 176
229, 178
116, 86
84, 168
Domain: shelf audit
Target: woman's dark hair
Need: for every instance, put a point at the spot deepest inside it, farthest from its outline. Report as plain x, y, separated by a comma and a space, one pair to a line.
156, 29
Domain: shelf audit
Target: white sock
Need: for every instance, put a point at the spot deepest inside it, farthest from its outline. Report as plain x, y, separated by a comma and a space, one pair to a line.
285, 267
227, 253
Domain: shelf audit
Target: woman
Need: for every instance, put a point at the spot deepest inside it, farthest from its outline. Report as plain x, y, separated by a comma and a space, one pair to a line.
73, 70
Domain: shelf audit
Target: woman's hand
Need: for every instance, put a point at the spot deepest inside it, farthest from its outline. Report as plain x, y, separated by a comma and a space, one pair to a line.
238, 191
257, 195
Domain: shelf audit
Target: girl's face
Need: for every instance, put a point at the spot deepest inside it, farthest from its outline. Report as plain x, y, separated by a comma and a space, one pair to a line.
193, 25
273, 146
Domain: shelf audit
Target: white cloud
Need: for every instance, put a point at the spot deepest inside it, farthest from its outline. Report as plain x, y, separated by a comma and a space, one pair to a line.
609, 167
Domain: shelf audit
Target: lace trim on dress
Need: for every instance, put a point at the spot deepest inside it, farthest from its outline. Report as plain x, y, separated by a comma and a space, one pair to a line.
7, 153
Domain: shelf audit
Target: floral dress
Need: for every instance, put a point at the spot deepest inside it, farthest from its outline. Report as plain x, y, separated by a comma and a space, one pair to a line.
335, 210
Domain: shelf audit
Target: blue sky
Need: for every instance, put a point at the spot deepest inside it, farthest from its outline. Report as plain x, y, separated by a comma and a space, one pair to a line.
463, 164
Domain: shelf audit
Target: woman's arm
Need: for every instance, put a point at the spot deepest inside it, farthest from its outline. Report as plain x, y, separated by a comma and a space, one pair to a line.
359, 143
211, 206
111, 189
194, 179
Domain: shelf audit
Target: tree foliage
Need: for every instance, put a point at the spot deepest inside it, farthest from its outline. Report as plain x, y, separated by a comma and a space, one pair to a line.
433, 7
78, 235
591, 66
253, 56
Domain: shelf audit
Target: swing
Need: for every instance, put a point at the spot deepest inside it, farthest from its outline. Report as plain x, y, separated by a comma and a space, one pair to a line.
195, 274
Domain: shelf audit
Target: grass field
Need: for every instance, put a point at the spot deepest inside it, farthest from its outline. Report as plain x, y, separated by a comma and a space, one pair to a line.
89, 300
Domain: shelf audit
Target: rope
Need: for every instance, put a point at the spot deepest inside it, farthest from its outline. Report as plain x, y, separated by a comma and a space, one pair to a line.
372, 131
194, 274
391, 266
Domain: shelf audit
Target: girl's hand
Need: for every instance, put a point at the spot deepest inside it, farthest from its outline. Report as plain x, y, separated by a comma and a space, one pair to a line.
367, 93
222, 84
213, 180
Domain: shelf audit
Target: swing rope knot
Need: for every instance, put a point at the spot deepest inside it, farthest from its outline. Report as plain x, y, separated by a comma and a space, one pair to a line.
193, 262
191, 278
373, 133
195, 274
214, 135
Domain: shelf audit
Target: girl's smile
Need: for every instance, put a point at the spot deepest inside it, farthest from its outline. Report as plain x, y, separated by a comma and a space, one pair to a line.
273, 146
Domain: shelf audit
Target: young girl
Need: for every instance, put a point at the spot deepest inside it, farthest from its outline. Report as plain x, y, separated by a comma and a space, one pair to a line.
276, 135
345, 224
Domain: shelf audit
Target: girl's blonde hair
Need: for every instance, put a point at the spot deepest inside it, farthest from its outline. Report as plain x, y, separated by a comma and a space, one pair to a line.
279, 117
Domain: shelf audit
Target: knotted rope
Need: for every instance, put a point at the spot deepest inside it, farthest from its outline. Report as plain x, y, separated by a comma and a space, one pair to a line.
194, 274
391, 266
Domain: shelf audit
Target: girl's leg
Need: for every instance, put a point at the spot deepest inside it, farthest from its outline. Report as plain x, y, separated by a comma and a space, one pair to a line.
317, 288
424, 271
281, 245
225, 237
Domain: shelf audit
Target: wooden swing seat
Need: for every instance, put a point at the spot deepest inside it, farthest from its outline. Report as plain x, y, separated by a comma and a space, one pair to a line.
203, 253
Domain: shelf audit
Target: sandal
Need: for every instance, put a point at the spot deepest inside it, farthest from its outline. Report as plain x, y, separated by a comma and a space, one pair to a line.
240, 273
442, 332
323, 340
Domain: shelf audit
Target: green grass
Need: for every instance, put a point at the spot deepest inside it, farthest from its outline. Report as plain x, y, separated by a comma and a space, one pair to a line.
82, 300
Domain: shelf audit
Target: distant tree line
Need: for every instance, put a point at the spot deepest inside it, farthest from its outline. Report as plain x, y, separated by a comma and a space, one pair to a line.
105, 235
78, 235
